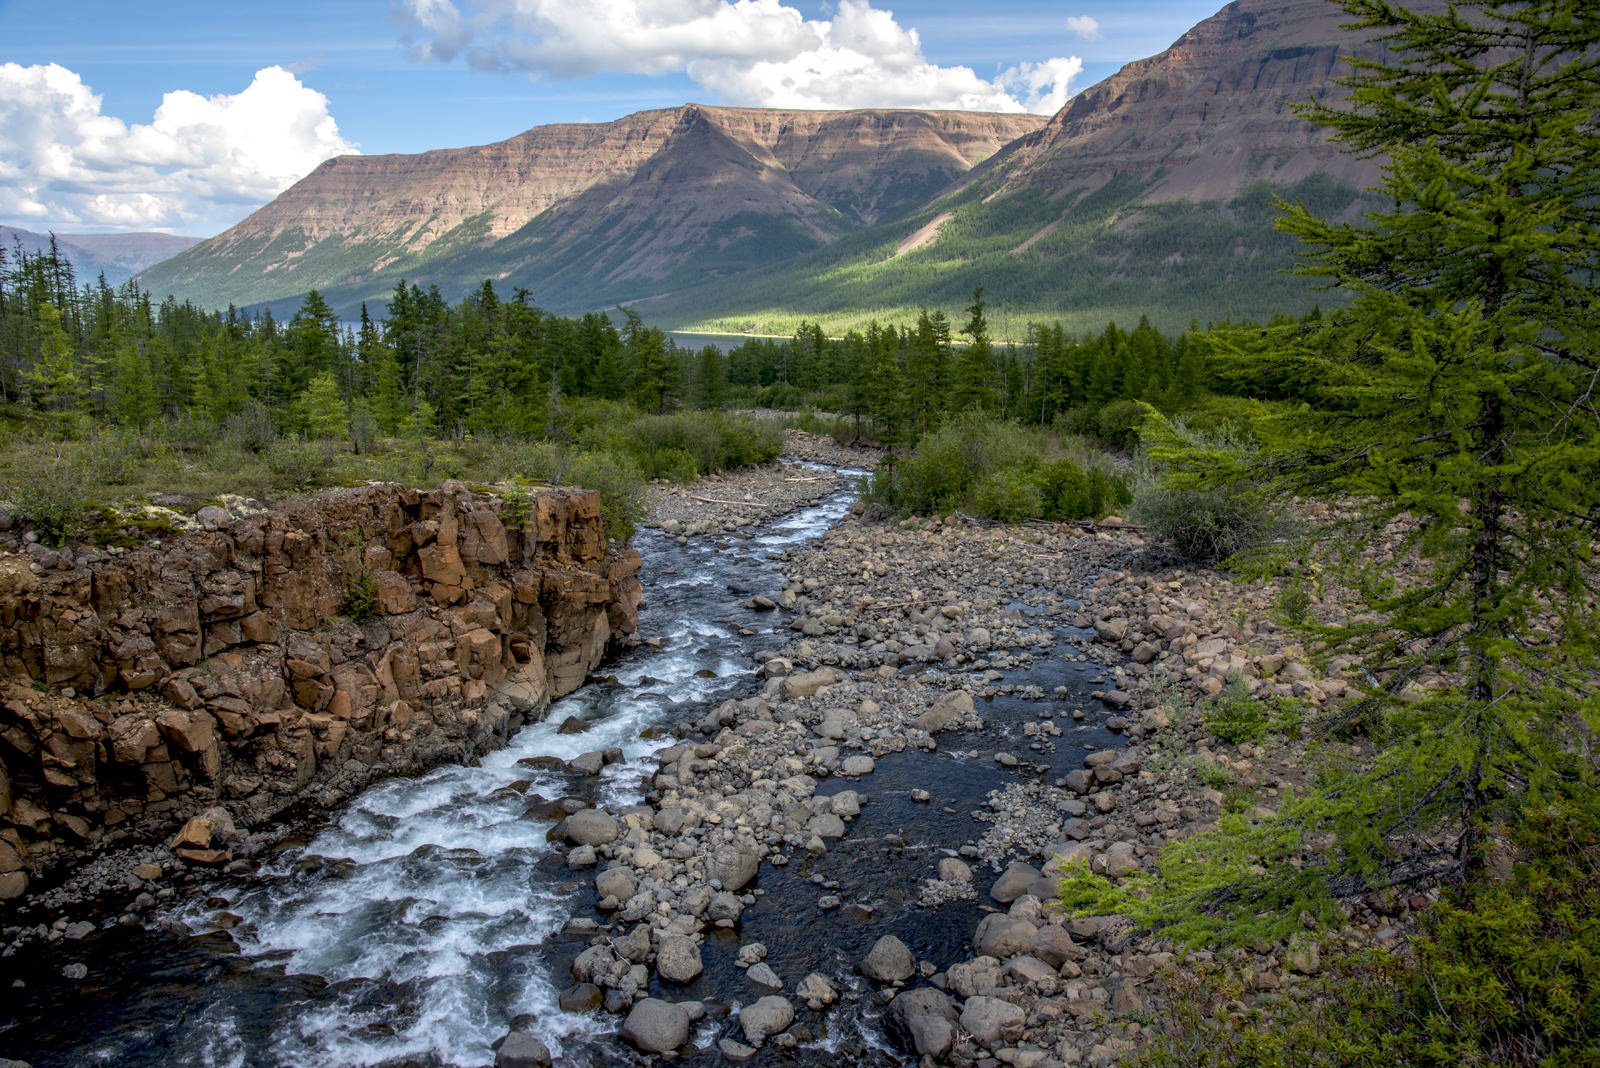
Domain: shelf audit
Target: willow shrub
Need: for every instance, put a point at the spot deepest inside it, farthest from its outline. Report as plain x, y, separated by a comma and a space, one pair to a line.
996, 470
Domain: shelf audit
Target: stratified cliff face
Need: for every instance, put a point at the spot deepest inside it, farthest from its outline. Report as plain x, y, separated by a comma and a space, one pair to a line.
665, 190
138, 689
1206, 116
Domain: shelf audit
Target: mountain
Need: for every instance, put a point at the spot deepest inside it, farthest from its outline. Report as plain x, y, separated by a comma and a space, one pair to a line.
117, 256
586, 215
1152, 192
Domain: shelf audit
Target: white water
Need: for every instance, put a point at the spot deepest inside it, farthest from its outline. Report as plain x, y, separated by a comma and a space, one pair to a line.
423, 907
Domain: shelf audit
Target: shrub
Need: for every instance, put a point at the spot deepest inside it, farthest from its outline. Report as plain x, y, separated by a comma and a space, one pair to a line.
1009, 495
996, 469
297, 465
50, 493
621, 486
1203, 525
250, 429
1233, 716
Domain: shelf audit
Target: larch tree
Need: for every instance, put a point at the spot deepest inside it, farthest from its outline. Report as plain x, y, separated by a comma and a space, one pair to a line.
1449, 409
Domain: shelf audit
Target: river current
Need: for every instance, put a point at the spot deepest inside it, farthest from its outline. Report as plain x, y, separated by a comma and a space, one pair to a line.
431, 912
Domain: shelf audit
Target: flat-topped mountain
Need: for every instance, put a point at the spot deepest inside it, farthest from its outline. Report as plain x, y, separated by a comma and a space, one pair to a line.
1151, 192
587, 214
1206, 117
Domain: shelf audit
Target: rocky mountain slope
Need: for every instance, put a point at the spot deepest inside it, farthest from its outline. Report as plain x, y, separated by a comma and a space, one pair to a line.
1151, 192
117, 256
585, 215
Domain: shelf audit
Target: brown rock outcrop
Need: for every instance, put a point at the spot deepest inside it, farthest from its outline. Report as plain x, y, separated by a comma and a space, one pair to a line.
139, 688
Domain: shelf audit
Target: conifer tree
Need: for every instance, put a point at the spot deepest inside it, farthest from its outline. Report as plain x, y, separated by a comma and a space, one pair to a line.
973, 382
1452, 403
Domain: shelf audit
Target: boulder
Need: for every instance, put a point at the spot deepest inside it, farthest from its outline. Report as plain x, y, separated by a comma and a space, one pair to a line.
948, 711
1053, 945
656, 1026
733, 865
591, 827
521, 1050
615, 882
992, 1022
1003, 936
889, 961
818, 990
1014, 883
922, 1021
858, 765
766, 1017
678, 959
807, 683
763, 975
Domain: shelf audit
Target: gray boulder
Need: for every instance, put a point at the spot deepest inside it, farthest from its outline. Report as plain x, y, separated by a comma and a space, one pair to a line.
591, 827
521, 1050
733, 865
615, 882
991, 1021
948, 711
1014, 883
922, 1021
889, 961
656, 1026
765, 1018
1003, 936
678, 959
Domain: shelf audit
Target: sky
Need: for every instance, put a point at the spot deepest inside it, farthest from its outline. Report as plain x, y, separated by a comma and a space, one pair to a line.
183, 116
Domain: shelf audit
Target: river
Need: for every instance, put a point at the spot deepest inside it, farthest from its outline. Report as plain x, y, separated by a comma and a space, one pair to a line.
432, 912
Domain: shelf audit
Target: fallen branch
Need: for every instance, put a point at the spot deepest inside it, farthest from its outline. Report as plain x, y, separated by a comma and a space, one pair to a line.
718, 500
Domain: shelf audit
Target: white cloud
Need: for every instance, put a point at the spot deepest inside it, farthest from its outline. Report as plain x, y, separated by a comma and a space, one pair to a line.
753, 52
1085, 26
1042, 87
197, 166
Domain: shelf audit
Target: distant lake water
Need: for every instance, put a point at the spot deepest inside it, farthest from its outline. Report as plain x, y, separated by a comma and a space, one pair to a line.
694, 342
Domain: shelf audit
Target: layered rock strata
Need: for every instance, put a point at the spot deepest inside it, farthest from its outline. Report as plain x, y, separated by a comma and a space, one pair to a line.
288, 656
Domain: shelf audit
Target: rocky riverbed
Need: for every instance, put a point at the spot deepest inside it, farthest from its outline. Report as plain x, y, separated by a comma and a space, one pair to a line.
816, 468
919, 636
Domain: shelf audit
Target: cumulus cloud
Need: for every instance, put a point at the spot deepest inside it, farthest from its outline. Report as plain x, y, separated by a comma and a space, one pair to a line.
197, 166
757, 52
1085, 26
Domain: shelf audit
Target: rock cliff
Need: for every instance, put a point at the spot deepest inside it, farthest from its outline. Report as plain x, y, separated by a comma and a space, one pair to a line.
288, 656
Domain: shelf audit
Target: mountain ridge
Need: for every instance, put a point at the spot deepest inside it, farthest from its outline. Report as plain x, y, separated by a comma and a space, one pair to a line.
1151, 191
810, 175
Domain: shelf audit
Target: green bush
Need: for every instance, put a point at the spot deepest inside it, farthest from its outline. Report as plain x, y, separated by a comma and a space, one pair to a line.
51, 494
620, 483
674, 465
298, 465
1203, 525
1009, 495
999, 470
1233, 716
